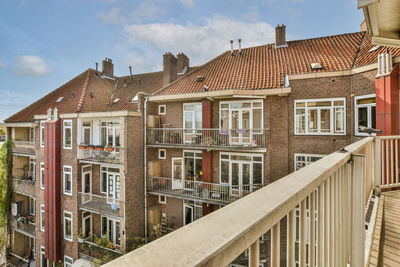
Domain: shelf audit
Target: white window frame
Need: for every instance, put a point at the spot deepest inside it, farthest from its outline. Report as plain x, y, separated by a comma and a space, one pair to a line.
68, 264
305, 155
83, 132
32, 206
252, 108
193, 115
115, 232
42, 257
162, 199
65, 127
41, 173
41, 218
116, 125
64, 225
159, 153
107, 184
159, 110
41, 134
369, 106
332, 109
64, 179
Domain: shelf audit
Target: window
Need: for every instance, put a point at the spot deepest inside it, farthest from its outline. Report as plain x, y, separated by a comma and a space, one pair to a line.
43, 261
67, 180
111, 229
41, 134
302, 160
110, 134
162, 154
67, 136
87, 132
31, 169
192, 211
110, 182
32, 134
41, 175
192, 116
365, 113
31, 206
68, 226
241, 115
42, 222
320, 116
162, 199
68, 261
193, 165
162, 109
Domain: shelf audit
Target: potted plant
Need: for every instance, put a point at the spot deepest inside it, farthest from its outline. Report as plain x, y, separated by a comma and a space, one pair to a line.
99, 147
110, 149
82, 146
81, 237
90, 147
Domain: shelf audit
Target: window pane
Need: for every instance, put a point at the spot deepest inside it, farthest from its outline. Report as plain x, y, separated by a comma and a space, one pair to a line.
319, 104
68, 135
104, 226
366, 101
225, 119
312, 121
339, 103
300, 121
325, 120
257, 173
103, 136
373, 117
225, 172
300, 105
117, 233
117, 137
86, 136
103, 182
110, 137
257, 123
188, 120
363, 116
199, 119
188, 107
339, 120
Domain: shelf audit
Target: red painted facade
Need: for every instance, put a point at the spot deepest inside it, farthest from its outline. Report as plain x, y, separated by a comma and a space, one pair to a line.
206, 155
52, 191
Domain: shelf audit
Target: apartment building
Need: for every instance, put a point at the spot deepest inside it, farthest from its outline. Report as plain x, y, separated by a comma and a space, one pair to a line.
251, 116
78, 187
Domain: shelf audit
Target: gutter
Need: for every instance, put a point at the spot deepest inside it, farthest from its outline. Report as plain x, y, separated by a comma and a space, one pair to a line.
145, 165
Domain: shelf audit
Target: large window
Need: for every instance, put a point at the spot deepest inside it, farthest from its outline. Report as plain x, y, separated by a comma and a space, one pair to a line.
192, 116
241, 115
365, 112
41, 175
110, 134
110, 182
68, 226
68, 261
67, 180
67, 134
42, 222
302, 160
111, 229
41, 134
320, 116
86, 132
193, 165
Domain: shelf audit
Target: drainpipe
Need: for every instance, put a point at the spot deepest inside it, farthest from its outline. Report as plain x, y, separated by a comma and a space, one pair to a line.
145, 165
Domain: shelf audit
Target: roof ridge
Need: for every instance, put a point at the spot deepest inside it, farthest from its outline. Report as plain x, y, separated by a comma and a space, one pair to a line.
84, 89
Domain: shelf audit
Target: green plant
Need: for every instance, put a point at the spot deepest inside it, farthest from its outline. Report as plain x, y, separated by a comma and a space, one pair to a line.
5, 186
81, 234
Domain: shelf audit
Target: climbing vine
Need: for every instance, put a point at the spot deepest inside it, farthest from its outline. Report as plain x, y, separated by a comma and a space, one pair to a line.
5, 187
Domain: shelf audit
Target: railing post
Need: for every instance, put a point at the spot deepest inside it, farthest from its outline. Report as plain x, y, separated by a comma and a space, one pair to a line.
378, 165
254, 254
357, 210
275, 244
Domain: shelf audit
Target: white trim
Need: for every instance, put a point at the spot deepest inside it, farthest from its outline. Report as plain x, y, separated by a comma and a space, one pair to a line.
331, 113
41, 218
68, 264
72, 225
159, 110
41, 134
42, 254
194, 104
91, 222
64, 139
305, 155
165, 153
41, 175
64, 181
356, 133
30, 205
160, 199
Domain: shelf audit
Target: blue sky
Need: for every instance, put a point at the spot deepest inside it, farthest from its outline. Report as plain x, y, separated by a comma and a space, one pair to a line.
45, 43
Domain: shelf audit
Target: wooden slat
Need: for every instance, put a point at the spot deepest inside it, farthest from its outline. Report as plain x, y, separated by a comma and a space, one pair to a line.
291, 238
303, 237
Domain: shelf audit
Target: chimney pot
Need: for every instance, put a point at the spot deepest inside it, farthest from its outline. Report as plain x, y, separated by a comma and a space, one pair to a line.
130, 71
280, 35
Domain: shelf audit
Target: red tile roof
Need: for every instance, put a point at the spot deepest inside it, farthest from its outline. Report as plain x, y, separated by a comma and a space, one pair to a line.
266, 66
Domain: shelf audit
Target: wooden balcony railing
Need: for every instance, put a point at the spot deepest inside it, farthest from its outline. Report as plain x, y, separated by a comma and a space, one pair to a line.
196, 190
208, 138
101, 204
329, 196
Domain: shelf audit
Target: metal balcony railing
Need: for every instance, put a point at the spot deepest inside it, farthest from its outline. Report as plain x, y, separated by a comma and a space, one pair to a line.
210, 138
23, 225
328, 228
197, 190
89, 249
112, 155
101, 204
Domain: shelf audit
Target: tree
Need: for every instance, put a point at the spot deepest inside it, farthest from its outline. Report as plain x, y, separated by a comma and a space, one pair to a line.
2, 130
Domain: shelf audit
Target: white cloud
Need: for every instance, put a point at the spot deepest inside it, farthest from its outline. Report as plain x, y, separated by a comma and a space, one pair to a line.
199, 42
2, 65
252, 14
188, 3
147, 11
31, 66
112, 17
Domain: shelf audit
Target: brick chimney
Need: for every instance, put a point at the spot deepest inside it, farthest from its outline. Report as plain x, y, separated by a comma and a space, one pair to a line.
183, 62
280, 35
169, 68
108, 67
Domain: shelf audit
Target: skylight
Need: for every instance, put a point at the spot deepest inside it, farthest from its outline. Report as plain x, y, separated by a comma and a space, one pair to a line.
316, 66
60, 99
116, 100
374, 48
135, 99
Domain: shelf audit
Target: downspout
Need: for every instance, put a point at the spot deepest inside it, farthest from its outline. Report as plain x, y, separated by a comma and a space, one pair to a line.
145, 166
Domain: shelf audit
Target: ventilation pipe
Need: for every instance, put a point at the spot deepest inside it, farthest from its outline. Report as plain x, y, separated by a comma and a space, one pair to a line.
232, 54
240, 46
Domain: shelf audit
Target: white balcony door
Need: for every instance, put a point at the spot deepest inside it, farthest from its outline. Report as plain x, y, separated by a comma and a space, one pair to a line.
240, 124
177, 173
86, 183
192, 120
113, 183
240, 175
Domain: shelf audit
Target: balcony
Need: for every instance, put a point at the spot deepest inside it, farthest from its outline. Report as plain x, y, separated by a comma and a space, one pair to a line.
213, 193
217, 139
18, 261
24, 225
100, 154
315, 216
101, 205
24, 185
90, 250
24, 147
